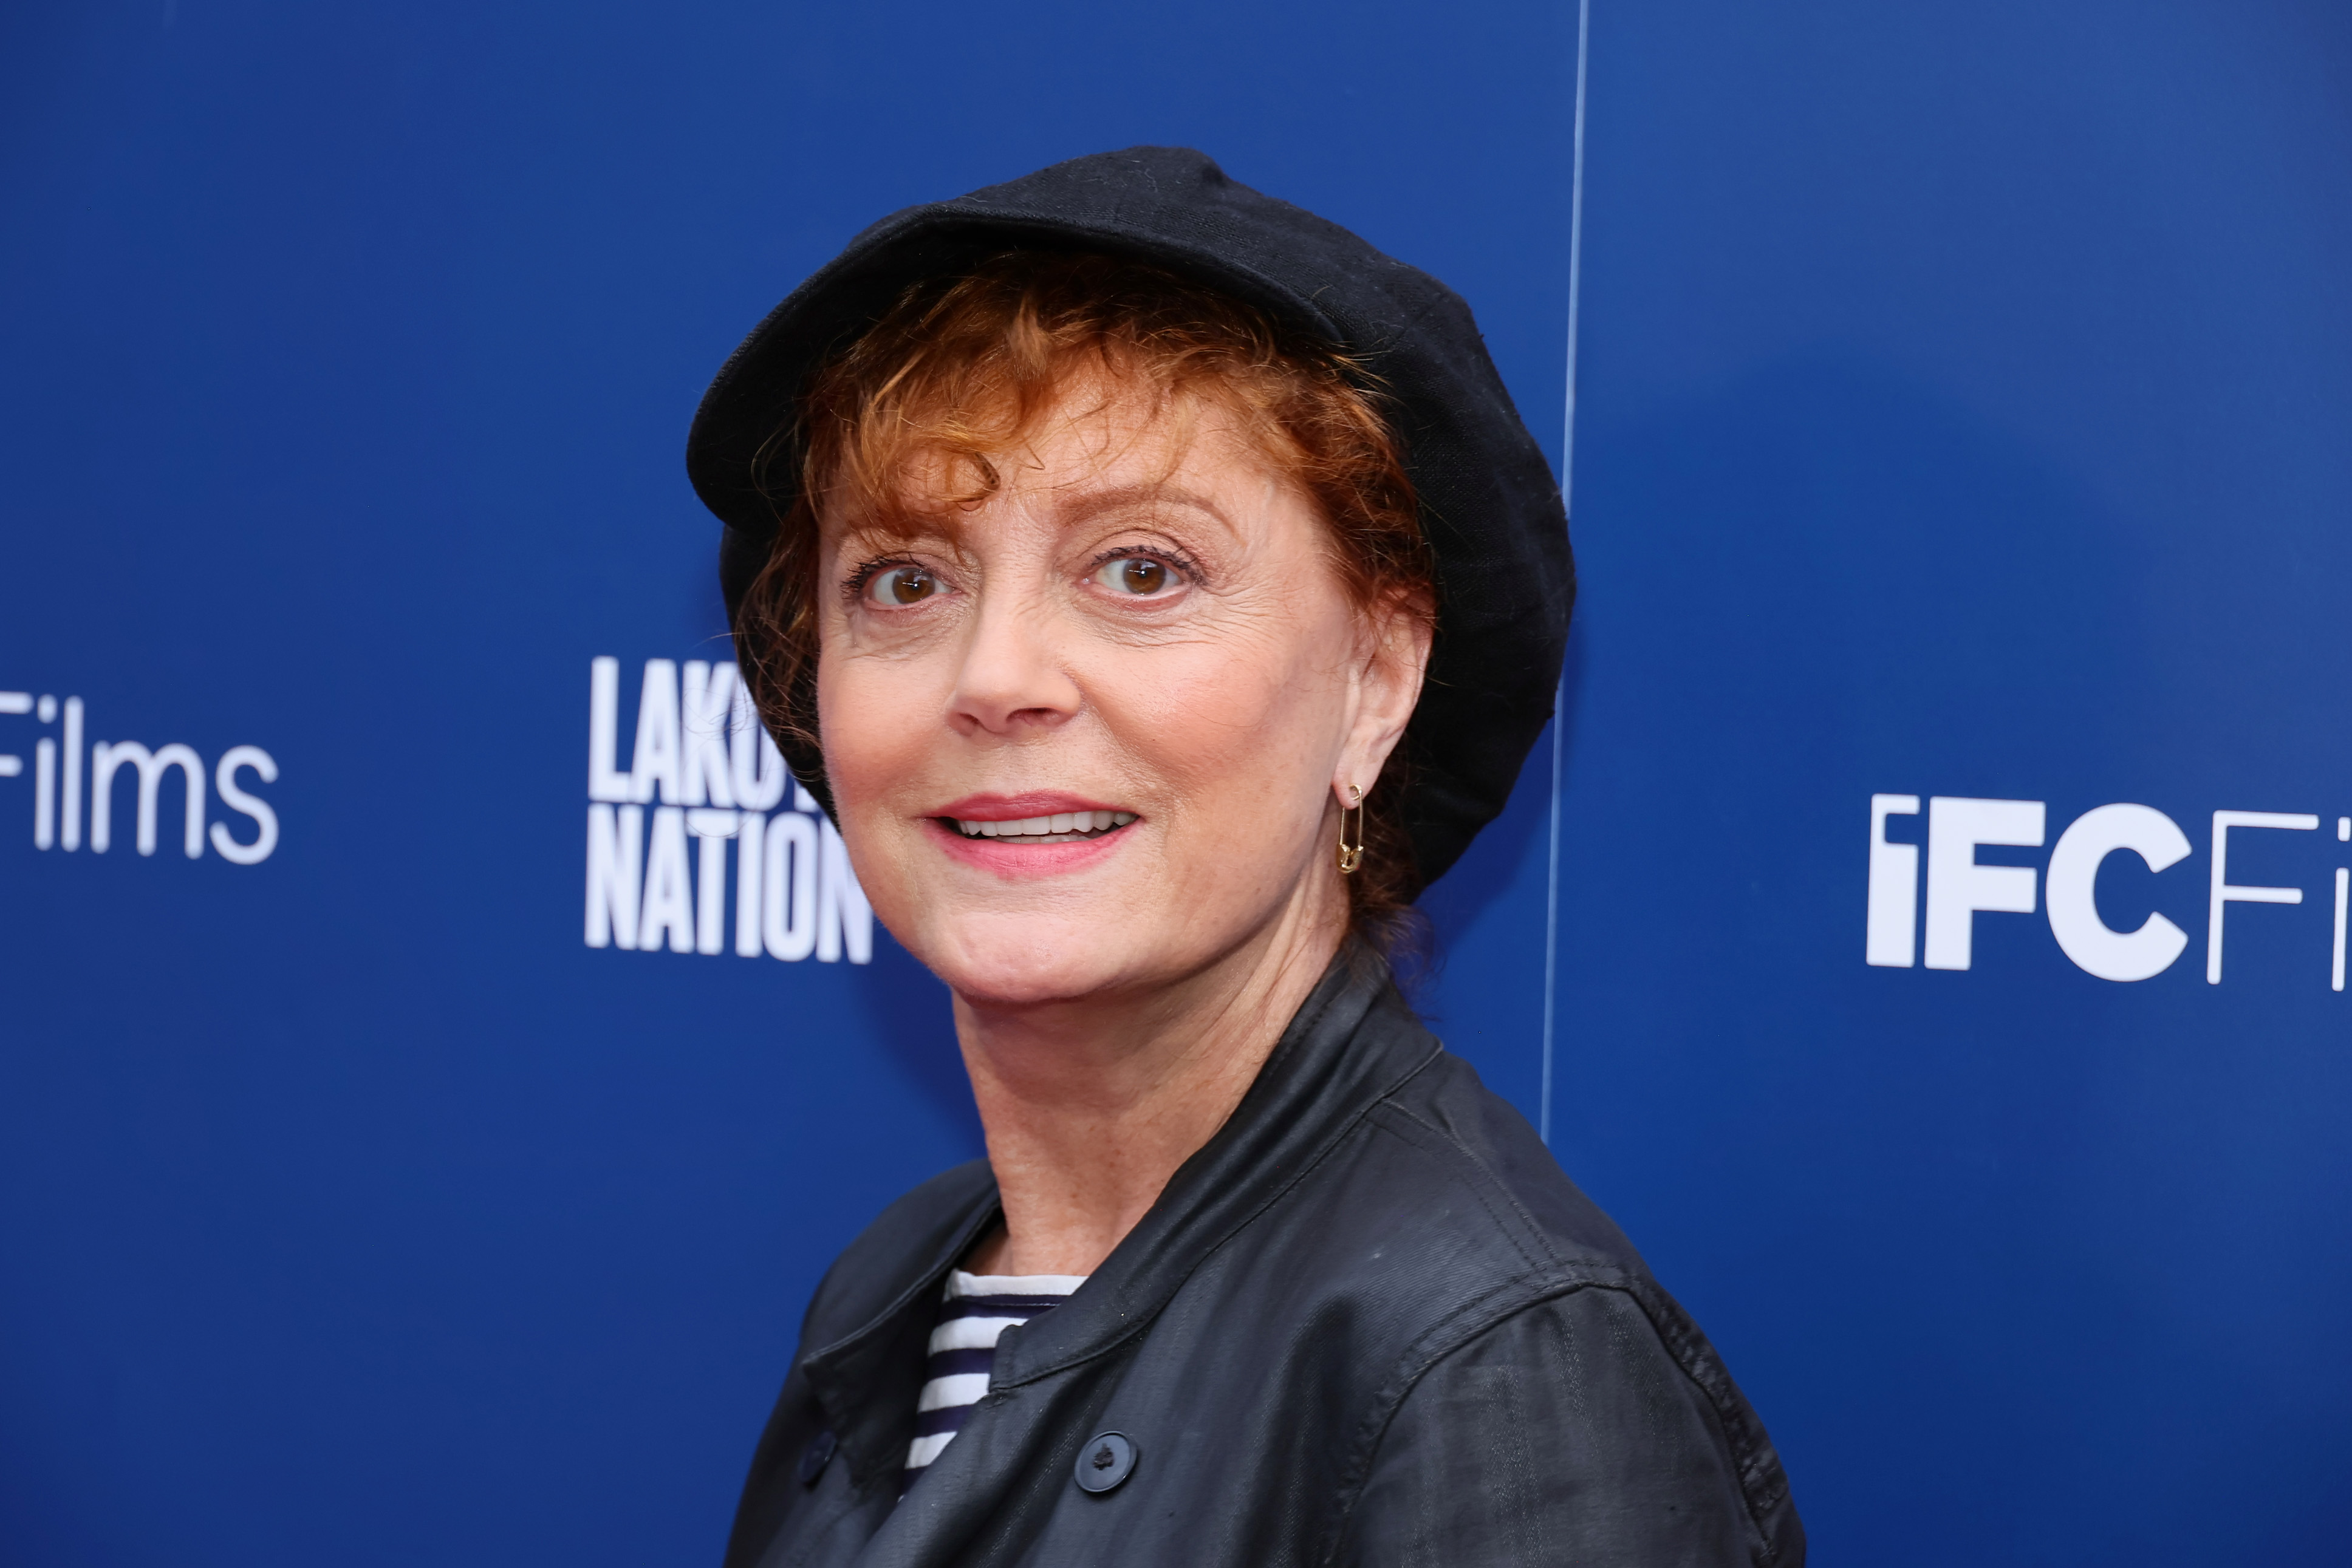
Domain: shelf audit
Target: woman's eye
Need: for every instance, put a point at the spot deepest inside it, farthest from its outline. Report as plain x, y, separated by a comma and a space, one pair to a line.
902, 585
1138, 576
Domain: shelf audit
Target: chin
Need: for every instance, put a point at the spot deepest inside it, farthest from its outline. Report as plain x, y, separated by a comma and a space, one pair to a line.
1031, 960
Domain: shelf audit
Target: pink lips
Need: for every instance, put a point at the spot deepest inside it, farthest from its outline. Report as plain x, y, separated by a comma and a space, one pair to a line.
1019, 861
1014, 808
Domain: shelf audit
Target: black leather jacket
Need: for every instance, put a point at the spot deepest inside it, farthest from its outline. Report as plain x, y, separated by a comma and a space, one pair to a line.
1370, 1322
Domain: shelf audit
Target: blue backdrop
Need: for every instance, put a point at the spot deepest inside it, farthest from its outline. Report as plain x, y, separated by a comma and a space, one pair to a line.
1962, 397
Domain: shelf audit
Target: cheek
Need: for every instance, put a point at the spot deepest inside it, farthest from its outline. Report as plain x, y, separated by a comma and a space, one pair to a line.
1250, 717
876, 718
878, 736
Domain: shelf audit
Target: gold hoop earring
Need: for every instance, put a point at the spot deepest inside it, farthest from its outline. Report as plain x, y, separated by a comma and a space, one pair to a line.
1351, 855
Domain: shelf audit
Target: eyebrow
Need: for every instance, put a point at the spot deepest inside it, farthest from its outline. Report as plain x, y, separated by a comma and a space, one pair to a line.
902, 528
1088, 508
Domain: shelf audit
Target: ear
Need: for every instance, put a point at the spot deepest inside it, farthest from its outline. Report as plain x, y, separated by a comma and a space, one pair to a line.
1393, 659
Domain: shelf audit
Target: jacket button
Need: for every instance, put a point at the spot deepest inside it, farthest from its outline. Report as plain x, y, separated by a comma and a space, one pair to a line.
815, 1457
1104, 1462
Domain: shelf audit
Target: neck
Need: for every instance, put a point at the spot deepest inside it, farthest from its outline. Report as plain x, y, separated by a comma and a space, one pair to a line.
1090, 1105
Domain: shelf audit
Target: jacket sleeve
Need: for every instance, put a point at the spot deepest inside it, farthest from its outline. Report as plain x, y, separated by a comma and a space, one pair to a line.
1567, 1433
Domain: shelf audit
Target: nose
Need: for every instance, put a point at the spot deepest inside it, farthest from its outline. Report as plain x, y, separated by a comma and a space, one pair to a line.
1014, 679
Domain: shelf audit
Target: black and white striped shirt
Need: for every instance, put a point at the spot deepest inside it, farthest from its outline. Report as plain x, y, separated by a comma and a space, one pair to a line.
973, 1315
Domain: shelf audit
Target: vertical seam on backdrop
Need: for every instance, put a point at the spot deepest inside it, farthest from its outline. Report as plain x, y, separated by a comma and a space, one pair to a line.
1567, 491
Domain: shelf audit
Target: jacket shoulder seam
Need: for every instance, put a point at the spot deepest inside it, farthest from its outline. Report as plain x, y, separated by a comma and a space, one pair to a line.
1440, 1340
1763, 1483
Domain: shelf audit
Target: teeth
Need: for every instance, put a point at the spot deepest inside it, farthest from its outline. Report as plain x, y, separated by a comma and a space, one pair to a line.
1061, 827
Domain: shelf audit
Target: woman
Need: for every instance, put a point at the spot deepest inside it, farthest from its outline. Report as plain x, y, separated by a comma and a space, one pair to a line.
1157, 585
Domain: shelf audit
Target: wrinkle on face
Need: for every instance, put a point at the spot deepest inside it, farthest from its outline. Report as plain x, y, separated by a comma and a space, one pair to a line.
1219, 720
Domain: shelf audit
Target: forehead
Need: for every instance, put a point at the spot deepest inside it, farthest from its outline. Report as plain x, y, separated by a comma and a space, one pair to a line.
1122, 434
1098, 442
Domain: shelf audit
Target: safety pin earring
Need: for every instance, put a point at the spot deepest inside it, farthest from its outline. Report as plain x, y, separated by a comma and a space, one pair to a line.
1351, 855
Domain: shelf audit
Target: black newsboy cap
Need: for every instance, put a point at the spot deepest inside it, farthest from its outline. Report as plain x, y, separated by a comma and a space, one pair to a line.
1488, 502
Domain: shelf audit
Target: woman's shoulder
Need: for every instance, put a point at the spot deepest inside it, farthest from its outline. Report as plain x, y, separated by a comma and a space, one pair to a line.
1454, 1155
1428, 1205
1502, 1275
1426, 1283
1443, 1217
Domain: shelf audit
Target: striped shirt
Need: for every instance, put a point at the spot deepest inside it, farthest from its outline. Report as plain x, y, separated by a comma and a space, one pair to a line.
973, 1315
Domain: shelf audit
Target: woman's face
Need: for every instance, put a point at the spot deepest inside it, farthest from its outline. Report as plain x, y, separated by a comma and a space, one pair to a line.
1084, 737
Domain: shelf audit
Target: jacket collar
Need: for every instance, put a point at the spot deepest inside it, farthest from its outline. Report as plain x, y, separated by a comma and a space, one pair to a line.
867, 1379
1351, 1044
